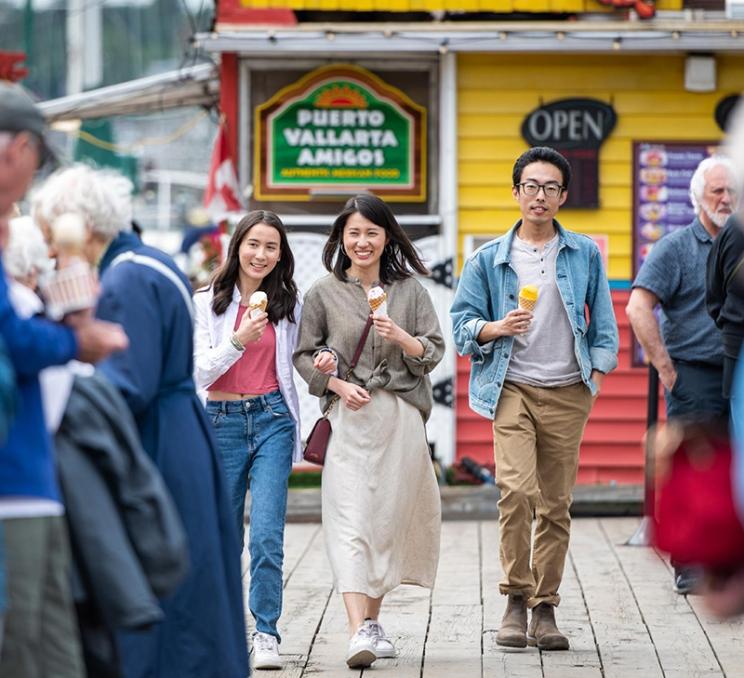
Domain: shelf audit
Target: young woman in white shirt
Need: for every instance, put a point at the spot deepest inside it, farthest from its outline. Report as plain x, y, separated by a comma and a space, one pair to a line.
245, 365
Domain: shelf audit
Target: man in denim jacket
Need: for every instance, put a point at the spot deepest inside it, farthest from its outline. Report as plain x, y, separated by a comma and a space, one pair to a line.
535, 373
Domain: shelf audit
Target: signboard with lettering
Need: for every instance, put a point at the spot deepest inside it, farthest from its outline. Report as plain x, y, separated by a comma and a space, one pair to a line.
336, 130
662, 172
577, 128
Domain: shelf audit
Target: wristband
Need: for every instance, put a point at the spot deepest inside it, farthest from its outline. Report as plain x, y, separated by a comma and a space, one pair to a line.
325, 349
237, 343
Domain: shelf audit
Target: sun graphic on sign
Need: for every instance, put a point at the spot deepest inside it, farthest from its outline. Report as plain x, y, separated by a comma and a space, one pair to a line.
340, 96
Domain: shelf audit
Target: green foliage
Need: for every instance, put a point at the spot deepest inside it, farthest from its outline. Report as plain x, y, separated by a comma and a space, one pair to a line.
304, 479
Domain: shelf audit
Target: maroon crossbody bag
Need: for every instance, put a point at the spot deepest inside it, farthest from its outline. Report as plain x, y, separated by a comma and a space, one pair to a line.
317, 441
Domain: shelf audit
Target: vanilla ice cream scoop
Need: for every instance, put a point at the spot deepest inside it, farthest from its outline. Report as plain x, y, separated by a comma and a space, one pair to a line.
69, 233
377, 299
257, 303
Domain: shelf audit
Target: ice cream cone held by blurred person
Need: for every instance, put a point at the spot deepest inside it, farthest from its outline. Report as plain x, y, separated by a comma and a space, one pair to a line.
68, 235
74, 286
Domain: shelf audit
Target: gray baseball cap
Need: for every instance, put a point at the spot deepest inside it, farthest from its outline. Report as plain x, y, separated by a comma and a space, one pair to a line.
19, 113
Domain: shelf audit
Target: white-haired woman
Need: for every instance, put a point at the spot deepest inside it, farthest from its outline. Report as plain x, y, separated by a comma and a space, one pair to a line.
26, 260
203, 633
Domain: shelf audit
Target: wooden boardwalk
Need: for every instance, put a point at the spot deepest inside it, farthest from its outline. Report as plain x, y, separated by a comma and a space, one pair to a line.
617, 607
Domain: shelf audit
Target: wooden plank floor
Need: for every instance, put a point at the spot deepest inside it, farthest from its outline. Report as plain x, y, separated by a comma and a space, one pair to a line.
617, 607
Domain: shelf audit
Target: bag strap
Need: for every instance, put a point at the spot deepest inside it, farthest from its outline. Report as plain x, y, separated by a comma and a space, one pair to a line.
354, 361
360, 345
160, 267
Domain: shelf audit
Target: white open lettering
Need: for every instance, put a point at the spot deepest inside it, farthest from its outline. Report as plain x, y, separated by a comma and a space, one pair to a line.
565, 125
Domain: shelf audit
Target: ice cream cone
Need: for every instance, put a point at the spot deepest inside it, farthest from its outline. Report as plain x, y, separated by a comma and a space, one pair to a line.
68, 234
71, 289
257, 303
528, 298
377, 299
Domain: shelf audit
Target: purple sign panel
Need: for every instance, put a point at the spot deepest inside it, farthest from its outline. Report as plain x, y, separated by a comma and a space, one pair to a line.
661, 201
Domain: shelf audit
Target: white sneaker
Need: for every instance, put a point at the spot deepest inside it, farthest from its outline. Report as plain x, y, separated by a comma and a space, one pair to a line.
362, 651
265, 652
384, 647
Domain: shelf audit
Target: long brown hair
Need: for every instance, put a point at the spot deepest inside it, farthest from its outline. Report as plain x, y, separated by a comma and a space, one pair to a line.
278, 285
399, 259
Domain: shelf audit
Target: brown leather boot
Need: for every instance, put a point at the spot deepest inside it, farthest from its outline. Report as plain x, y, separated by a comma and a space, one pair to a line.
513, 631
543, 631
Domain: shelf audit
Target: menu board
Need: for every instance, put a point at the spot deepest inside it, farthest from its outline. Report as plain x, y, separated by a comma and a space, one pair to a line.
661, 195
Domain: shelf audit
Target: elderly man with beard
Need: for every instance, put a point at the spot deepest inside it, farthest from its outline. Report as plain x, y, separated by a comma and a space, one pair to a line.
687, 350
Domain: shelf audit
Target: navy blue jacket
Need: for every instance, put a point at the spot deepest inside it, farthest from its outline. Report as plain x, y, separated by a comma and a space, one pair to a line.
203, 633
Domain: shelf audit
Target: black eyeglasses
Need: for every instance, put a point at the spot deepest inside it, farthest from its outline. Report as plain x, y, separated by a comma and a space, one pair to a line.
551, 190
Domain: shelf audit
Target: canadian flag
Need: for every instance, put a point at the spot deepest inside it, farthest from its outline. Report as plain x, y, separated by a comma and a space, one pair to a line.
222, 194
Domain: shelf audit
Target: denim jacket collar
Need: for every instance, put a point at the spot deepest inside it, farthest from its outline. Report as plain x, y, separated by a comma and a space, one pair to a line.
503, 253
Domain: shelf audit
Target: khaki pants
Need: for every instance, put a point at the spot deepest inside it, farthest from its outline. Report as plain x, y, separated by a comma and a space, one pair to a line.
41, 634
537, 433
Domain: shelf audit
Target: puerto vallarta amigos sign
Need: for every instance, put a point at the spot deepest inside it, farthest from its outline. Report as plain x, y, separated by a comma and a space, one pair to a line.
340, 128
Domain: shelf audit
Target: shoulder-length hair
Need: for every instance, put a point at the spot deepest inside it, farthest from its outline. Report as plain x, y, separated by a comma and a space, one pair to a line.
399, 258
278, 285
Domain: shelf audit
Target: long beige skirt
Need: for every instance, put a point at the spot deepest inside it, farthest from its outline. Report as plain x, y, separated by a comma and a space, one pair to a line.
381, 507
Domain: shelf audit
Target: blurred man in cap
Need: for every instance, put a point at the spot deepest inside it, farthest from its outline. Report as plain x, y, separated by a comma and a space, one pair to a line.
23, 147
40, 632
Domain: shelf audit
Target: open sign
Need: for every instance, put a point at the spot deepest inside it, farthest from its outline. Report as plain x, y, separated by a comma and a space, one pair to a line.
570, 123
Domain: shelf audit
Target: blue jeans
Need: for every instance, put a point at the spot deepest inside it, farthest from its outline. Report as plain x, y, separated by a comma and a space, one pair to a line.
256, 439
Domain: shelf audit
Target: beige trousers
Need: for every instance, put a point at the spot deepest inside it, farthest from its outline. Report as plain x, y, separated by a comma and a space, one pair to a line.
536, 434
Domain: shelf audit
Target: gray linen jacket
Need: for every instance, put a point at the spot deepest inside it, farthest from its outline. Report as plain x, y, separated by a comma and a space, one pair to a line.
334, 315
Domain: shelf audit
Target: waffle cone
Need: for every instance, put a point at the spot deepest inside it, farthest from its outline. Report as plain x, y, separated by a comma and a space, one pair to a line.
375, 303
527, 304
255, 309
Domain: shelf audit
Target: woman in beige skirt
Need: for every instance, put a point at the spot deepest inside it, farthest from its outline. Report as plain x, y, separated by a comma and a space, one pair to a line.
381, 508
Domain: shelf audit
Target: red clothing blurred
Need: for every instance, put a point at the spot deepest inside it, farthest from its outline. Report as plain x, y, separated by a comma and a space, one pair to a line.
696, 520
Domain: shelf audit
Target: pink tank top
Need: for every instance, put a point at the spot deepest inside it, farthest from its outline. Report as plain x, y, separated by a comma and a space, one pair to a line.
254, 372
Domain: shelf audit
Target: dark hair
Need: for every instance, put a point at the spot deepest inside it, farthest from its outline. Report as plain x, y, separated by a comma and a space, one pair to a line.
399, 258
541, 154
278, 285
